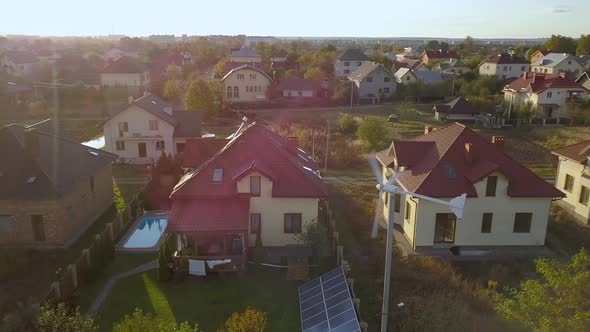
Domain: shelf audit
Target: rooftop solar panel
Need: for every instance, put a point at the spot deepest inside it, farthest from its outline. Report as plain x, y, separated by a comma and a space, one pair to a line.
325, 304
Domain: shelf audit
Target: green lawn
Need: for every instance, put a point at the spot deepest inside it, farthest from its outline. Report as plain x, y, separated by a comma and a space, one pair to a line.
209, 301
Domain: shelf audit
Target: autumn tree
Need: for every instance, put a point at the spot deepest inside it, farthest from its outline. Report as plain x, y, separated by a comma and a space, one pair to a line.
173, 72
251, 320
172, 90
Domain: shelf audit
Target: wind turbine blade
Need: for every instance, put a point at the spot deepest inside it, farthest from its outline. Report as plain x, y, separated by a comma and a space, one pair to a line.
457, 205
376, 168
375, 230
393, 178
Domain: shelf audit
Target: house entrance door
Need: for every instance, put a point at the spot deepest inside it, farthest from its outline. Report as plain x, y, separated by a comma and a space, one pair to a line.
444, 228
142, 150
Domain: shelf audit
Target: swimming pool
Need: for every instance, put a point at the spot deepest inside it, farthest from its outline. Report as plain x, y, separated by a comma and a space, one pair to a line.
147, 233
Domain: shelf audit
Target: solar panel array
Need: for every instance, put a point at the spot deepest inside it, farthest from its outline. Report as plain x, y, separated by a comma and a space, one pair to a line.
325, 304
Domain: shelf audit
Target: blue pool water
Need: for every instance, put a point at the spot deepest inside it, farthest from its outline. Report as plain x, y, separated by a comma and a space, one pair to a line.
148, 232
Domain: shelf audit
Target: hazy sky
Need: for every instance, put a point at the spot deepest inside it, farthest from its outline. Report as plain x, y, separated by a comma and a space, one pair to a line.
368, 18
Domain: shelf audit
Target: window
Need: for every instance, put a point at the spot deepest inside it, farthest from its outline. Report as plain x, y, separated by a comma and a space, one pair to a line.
523, 68
491, 186
160, 145
569, 183
346, 71
153, 124
486, 222
505, 68
255, 185
569, 62
7, 223
229, 95
247, 88
236, 92
408, 211
346, 63
92, 183
522, 222
120, 145
240, 76
408, 78
369, 79
444, 228
252, 77
387, 79
397, 201
292, 222
255, 223
386, 90
549, 94
218, 175
123, 128
38, 229
584, 195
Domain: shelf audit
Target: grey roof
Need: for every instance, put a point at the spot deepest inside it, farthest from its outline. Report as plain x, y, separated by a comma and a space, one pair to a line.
189, 123
353, 54
245, 52
366, 69
246, 67
41, 165
156, 106
458, 105
553, 59
429, 76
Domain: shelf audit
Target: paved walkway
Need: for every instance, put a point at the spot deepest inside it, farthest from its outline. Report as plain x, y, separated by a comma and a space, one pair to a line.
99, 300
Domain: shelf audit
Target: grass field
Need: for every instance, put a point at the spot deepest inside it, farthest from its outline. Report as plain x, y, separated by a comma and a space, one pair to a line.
209, 301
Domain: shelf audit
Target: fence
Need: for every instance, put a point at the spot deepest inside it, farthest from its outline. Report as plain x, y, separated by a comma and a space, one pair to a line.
98, 254
338, 249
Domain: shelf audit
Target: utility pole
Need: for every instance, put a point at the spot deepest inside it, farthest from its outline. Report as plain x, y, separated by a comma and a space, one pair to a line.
312, 143
327, 147
351, 92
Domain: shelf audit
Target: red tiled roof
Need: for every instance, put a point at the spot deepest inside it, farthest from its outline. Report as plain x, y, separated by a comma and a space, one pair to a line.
294, 170
578, 152
538, 82
198, 150
440, 54
209, 215
444, 171
123, 65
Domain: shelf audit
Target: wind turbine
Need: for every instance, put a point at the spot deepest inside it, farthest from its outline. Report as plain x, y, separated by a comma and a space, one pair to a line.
384, 185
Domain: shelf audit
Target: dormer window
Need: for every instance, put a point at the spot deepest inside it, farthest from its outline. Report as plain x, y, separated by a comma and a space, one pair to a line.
255, 185
218, 175
491, 186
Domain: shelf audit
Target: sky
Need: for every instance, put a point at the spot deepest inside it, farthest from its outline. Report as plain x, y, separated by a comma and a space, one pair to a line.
305, 18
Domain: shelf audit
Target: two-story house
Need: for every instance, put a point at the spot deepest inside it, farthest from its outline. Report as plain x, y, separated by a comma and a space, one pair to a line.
438, 55
573, 178
18, 63
405, 76
245, 84
372, 79
51, 189
548, 93
148, 127
349, 61
504, 66
559, 63
126, 72
256, 188
506, 205
453, 67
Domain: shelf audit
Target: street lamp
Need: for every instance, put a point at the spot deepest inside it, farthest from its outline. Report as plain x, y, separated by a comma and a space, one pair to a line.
456, 206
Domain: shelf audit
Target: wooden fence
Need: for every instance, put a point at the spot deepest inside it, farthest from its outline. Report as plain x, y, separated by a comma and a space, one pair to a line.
94, 257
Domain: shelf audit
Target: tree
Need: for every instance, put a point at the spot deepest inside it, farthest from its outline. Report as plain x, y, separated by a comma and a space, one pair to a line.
172, 89
561, 44
468, 46
433, 45
199, 96
557, 301
314, 234
53, 318
138, 321
251, 320
583, 47
372, 132
173, 72
314, 73
347, 124
342, 90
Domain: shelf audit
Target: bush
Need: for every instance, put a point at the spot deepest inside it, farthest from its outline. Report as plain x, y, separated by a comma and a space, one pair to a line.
372, 131
251, 320
140, 322
347, 124
58, 317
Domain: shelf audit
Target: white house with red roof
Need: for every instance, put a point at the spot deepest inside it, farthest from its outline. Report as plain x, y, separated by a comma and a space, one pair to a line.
573, 178
126, 72
256, 186
548, 93
507, 204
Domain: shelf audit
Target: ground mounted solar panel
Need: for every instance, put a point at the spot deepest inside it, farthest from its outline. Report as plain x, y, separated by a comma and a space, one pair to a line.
325, 304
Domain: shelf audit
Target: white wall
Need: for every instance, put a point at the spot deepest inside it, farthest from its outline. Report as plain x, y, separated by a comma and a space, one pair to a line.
572, 198
366, 89
272, 210
503, 71
258, 80
345, 68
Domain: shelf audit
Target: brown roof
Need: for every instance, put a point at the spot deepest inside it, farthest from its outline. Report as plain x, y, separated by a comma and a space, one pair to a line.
505, 58
578, 152
459, 105
538, 82
441, 54
123, 65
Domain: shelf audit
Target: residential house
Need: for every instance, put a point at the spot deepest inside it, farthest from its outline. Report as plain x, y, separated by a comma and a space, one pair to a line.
51, 189
371, 79
414, 65
584, 80
349, 61
558, 63
18, 63
245, 84
506, 205
538, 55
126, 72
438, 55
299, 88
256, 188
459, 109
585, 61
504, 66
453, 67
245, 55
116, 53
548, 93
170, 58
407, 53
405, 76
148, 127
573, 178
431, 76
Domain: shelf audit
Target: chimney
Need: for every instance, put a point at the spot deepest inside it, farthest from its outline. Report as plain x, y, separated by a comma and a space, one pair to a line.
31, 143
498, 141
428, 129
470, 153
130, 100
168, 110
292, 144
562, 75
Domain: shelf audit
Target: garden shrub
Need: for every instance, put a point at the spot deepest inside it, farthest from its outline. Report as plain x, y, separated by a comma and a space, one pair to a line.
251, 320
